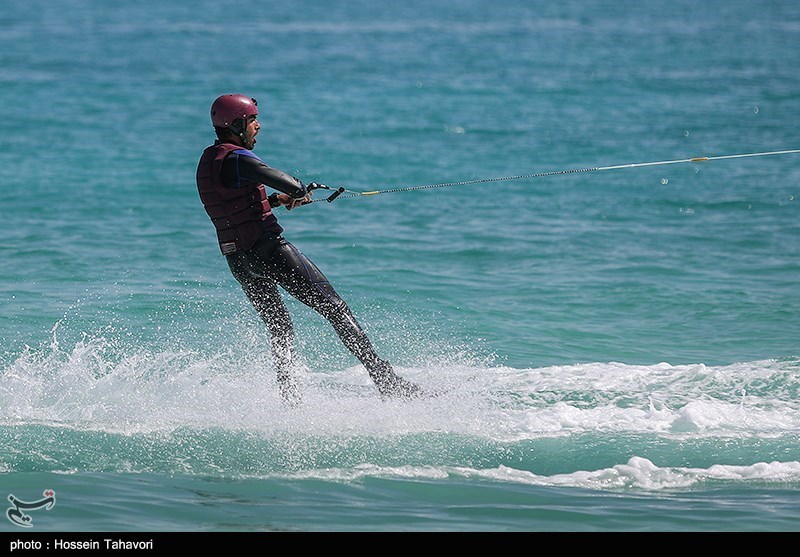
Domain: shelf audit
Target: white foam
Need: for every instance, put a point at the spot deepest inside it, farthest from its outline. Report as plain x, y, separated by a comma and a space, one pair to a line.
637, 473
95, 385
641, 473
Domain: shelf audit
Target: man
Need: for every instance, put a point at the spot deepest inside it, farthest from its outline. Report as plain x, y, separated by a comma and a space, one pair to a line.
232, 183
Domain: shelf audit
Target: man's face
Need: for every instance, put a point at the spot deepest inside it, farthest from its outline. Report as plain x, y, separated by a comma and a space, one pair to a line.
251, 131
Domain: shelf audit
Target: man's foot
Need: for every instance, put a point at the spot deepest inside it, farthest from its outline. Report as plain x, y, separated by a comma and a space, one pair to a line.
395, 386
391, 385
290, 394
401, 388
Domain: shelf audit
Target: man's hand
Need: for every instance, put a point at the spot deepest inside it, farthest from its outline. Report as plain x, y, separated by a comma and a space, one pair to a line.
290, 202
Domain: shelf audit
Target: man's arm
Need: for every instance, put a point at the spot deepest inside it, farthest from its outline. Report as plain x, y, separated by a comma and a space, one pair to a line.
242, 167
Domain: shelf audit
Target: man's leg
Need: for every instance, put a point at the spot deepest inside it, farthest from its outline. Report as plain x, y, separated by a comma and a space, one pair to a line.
266, 299
303, 280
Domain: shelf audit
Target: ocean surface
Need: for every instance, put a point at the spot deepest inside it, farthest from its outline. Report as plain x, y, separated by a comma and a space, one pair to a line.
613, 351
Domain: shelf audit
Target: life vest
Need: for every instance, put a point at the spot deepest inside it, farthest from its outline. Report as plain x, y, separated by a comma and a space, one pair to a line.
238, 214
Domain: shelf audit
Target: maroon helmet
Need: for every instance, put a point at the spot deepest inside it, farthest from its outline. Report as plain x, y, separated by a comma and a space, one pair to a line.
229, 108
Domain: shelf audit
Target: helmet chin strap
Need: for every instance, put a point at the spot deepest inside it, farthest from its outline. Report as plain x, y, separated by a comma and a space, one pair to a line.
237, 132
240, 130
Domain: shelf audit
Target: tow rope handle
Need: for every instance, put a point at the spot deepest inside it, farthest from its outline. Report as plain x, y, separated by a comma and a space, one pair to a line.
317, 186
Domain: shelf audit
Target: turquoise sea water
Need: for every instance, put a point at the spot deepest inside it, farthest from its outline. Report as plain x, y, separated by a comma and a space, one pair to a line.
617, 350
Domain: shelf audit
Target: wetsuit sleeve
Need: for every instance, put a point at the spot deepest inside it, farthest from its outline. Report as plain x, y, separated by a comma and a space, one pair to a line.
243, 167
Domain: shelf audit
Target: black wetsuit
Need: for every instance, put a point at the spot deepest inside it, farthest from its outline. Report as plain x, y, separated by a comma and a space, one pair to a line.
273, 261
